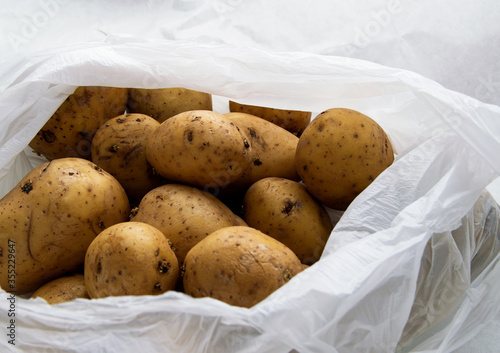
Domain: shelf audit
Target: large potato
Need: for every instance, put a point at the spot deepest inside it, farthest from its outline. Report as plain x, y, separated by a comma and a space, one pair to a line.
340, 153
272, 147
286, 211
63, 289
238, 265
164, 103
184, 214
130, 258
294, 121
199, 148
69, 131
49, 219
119, 147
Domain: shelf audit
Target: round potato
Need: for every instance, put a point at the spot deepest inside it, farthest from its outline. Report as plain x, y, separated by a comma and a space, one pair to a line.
199, 148
69, 131
294, 121
339, 154
164, 103
63, 289
130, 258
119, 147
238, 265
286, 211
185, 215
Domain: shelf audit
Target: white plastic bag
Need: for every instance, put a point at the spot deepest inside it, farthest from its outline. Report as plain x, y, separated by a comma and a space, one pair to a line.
359, 296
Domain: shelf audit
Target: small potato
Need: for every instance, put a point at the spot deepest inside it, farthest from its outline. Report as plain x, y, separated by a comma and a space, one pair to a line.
339, 154
185, 215
63, 289
119, 147
272, 147
294, 121
199, 148
164, 103
239, 266
69, 131
50, 218
130, 258
286, 211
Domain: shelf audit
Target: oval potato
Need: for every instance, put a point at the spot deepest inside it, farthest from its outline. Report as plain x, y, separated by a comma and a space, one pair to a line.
63, 289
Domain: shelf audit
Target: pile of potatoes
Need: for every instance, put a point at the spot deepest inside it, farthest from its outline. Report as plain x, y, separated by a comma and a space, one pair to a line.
150, 190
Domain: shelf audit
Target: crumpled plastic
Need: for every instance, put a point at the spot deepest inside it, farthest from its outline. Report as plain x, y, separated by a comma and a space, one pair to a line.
423, 223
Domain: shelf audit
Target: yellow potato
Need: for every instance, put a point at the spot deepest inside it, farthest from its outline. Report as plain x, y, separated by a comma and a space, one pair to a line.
340, 153
130, 258
49, 219
185, 215
199, 148
63, 289
164, 103
286, 211
69, 131
119, 147
294, 121
238, 265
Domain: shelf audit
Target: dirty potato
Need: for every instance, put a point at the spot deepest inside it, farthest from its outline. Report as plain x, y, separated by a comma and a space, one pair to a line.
130, 258
164, 103
62, 289
238, 265
69, 131
340, 153
119, 147
49, 219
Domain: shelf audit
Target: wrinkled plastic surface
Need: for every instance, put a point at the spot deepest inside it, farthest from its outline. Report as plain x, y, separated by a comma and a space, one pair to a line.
370, 279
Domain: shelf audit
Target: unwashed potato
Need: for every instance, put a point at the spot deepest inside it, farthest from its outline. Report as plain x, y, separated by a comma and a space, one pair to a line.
201, 148
63, 289
272, 147
340, 153
238, 265
286, 211
130, 258
50, 218
164, 103
295, 121
119, 147
69, 131
184, 214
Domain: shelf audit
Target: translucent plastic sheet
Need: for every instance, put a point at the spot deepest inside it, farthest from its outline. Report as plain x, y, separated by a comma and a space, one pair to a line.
371, 278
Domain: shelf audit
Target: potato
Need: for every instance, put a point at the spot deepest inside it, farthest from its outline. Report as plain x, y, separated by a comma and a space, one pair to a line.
185, 215
63, 289
119, 147
199, 148
69, 131
238, 265
50, 218
340, 153
164, 103
294, 121
130, 258
286, 211
272, 147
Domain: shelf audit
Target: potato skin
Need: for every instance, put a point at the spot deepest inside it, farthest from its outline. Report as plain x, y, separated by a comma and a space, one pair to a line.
69, 131
185, 215
272, 147
119, 147
49, 219
286, 211
294, 121
63, 289
340, 153
238, 265
164, 103
199, 148
130, 258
